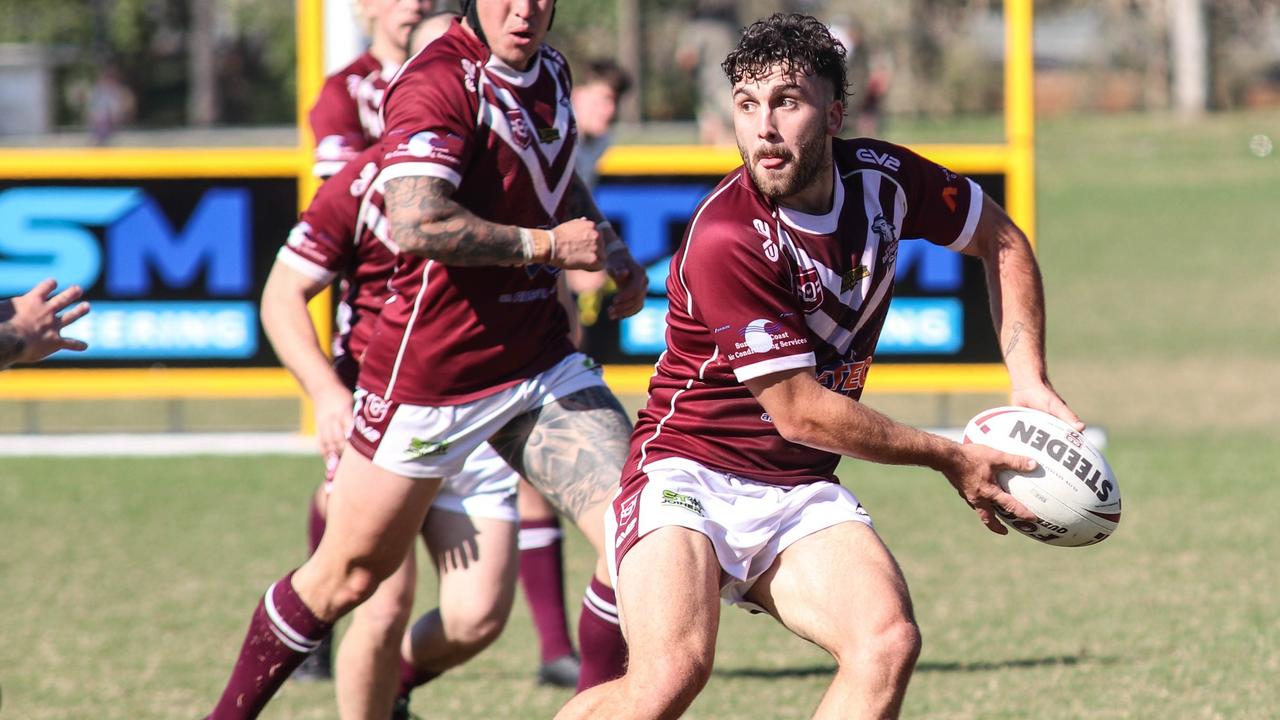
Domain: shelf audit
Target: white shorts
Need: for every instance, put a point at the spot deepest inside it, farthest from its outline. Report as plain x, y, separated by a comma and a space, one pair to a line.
486, 487
422, 441
748, 522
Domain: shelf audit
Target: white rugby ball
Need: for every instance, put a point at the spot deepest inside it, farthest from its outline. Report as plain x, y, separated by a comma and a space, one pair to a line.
1072, 490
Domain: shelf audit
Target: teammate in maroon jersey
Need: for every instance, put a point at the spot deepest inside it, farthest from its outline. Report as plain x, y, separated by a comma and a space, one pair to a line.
777, 297
344, 121
345, 118
341, 235
472, 344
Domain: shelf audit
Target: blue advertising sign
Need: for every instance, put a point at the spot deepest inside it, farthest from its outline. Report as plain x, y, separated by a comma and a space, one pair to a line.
173, 268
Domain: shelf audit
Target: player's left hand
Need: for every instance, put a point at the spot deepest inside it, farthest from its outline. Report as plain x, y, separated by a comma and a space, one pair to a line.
1044, 398
631, 279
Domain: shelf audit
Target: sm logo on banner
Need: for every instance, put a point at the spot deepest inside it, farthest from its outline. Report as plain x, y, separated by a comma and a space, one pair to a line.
160, 289
44, 232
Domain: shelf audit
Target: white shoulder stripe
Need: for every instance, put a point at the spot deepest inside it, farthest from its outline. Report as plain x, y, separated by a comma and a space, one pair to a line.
408, 328
971, 222
417, 169
773, 365
304, 267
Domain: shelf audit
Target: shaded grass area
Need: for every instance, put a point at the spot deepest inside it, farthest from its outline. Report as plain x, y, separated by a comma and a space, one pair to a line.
127, 585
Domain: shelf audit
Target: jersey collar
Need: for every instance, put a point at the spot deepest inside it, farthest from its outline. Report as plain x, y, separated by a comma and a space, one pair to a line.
824, 224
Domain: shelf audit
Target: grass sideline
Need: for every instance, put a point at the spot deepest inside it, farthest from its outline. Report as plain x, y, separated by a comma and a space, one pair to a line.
127, 583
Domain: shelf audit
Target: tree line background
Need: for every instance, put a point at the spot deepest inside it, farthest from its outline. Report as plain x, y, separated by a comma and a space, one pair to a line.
231, 62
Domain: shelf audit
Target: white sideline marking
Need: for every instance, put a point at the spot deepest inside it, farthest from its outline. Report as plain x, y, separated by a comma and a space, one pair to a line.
178, 444
156, 444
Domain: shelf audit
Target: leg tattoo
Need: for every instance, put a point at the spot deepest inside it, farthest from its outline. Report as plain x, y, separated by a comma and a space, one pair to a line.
571, 450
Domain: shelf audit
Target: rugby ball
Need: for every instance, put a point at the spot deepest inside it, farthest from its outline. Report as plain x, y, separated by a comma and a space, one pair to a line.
1072, 490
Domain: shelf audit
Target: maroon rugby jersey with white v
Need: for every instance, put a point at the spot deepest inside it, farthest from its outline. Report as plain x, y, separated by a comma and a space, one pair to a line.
755, 289
342, 233
345, 118
505, 140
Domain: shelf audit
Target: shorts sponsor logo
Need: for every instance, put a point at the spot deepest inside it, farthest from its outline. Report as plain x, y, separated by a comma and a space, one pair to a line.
808, 289
419, 448
692, 504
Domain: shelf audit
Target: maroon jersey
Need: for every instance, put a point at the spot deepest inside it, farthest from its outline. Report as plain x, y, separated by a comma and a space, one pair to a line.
505, 140
342, 234
756, 289
345, 118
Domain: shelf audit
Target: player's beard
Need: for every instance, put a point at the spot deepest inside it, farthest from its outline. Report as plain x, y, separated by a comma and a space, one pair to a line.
801, 170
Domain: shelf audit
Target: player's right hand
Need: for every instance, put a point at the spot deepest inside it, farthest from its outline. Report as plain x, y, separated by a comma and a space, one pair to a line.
973, 474
333, 410
578, 246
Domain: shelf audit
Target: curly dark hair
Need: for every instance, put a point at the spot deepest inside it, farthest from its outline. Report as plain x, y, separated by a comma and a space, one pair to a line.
801, 44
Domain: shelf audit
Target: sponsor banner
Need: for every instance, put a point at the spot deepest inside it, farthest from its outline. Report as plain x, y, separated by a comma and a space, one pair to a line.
144, 330
173, 267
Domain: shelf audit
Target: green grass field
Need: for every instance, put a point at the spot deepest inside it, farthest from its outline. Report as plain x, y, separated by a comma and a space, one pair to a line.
126, 584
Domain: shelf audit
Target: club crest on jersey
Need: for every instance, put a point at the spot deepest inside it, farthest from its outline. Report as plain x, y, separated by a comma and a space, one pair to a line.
888, 238
520, 133
808, 289
850, 279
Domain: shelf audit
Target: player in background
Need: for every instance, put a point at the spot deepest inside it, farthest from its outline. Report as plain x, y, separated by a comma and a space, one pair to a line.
31, 328
469, 200
345, 118
777, 297
339, 236
344, 121
595, 99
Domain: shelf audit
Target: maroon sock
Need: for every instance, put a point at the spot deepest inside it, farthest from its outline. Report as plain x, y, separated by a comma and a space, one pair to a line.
283, 631
411, 677
315, 526
542, 577
604, 652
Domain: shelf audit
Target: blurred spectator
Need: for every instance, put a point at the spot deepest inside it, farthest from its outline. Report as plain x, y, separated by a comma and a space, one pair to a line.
867, 84
595, 107
704, 44
107, 104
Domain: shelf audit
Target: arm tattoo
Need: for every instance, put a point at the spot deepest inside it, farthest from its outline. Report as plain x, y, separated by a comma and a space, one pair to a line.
571, 450
12, 345
425, 220
1013, 340
580, 203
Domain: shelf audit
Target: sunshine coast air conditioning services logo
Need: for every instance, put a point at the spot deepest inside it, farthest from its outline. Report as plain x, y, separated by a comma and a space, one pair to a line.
761, 336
